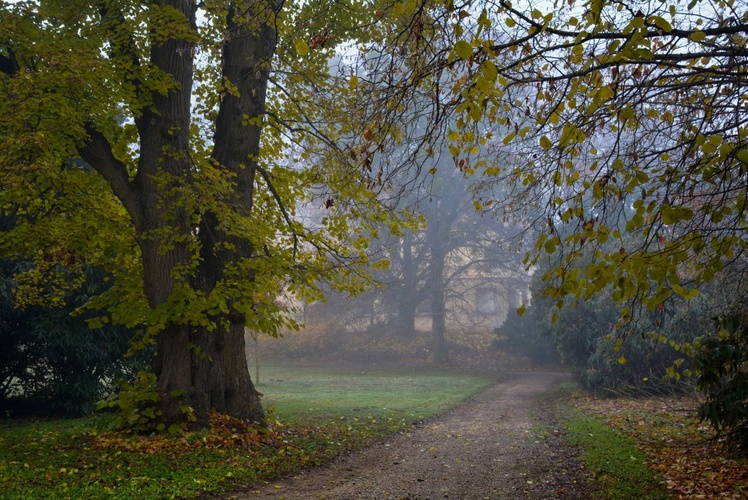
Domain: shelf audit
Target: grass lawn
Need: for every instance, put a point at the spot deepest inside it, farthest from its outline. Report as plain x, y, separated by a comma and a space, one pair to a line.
315, 414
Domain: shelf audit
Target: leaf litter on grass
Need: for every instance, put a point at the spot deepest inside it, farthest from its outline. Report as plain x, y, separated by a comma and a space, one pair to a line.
676, 444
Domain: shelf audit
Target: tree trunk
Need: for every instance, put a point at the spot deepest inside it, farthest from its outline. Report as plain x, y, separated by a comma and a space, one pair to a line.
408, 303
438, 324
438, 307
196, 369
406, 317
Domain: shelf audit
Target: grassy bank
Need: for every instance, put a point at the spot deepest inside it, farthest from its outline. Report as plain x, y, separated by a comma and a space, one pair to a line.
613, 459
678, 447
315, 415
617, 466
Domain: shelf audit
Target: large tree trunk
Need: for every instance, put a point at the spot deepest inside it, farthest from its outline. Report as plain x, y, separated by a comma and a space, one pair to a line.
196, 369
213, 375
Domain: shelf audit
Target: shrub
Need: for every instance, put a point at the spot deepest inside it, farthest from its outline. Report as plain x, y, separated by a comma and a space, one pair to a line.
721, 361
519, 335
51, 363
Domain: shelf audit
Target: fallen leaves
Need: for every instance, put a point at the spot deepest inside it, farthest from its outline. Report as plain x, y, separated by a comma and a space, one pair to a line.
225, 432
676, 445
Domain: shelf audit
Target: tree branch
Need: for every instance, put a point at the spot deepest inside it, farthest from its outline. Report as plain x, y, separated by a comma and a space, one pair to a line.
97, 152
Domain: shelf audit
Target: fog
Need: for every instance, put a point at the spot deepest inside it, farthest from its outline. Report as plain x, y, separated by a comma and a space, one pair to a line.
442, 300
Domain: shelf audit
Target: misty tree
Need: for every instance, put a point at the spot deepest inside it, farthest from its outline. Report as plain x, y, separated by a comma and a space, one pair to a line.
428, 265
171, 143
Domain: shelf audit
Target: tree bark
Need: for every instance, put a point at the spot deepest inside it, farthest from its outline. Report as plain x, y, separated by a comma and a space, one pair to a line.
408, 303
406, 317
197, 369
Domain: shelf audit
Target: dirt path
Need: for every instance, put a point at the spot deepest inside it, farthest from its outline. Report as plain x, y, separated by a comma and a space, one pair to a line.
487, 447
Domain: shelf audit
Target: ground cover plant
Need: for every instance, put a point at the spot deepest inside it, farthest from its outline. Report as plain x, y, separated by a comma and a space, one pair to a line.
676, 444
316, 414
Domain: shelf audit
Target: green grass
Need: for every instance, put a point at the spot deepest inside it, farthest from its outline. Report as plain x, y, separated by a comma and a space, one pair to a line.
314, 393
616, 465
318, 414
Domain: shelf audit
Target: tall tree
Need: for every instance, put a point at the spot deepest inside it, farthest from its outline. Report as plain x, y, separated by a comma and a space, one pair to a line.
200, 127
430, 265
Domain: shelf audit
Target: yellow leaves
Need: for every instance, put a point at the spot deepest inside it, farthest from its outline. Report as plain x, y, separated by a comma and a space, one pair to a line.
660, 23
712, 144
400, 9
636, 23
595, 11
571, 134
742, 155
510, 23
545, 142
490, 72
577, 53
353, 82
698, 36
302, 48
521, 310
673, 214
604, 93
686, 293
464, 50
551, 244
508, 138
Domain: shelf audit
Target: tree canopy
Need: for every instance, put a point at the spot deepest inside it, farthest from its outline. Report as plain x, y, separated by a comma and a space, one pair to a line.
177, 145
616, 105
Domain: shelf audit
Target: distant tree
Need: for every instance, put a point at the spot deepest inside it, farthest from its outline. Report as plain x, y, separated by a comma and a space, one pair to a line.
455, 239
526, 336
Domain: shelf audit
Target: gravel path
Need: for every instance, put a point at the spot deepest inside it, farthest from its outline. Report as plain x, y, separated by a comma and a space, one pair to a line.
487, 447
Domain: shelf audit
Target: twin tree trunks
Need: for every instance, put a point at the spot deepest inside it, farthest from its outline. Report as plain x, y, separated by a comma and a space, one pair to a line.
197, 369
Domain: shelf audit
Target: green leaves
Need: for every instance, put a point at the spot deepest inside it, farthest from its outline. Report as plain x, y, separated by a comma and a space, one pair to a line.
698, 36
672, 215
